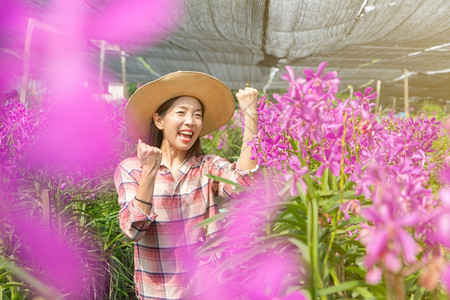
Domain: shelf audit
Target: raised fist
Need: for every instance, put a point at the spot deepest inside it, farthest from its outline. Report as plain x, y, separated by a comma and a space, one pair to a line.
247, 99
150, 157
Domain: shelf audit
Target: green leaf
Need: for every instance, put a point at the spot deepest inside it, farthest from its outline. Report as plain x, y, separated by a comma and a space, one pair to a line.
212, 219
217, 178
354, 220
334, 201
355, 270
336, 247
4, 274
340, 287
327, 193
292, 221
363, 291
43, 289
13, 284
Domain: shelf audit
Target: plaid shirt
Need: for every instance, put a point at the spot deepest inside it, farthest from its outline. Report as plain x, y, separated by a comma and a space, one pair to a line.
166, 238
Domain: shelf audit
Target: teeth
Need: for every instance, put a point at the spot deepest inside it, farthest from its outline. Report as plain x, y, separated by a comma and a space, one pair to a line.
186, 132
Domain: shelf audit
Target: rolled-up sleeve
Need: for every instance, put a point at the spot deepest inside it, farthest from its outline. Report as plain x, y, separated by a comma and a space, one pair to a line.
133, 221
222, 168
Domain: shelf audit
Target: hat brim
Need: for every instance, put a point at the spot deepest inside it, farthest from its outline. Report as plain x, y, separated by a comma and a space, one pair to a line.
215, 96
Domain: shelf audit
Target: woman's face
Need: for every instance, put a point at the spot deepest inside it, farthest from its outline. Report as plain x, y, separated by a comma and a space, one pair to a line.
182, 123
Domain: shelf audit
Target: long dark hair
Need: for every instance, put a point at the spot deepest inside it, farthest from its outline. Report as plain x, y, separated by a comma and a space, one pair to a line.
156, 135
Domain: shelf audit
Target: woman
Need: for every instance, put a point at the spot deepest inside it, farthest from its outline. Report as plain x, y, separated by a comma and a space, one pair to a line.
163, 191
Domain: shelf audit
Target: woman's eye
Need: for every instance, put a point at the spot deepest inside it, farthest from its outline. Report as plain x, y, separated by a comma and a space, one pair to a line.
198, 115
180, 112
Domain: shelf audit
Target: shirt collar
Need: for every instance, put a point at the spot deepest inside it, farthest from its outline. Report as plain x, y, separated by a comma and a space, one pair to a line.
186, 164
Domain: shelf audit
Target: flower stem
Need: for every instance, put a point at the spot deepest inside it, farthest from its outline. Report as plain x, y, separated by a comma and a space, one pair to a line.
395, 287
313, 225
355, 138
341, 195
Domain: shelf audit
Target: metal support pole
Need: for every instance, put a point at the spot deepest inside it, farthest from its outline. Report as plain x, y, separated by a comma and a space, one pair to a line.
405, 92
26, 60
123, 61
100, 71
377, 100
46, 208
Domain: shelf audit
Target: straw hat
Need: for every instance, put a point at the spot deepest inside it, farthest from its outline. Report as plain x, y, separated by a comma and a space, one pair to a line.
215, 96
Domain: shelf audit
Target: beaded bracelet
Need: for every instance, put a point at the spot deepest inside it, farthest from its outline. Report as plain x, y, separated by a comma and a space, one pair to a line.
149, 203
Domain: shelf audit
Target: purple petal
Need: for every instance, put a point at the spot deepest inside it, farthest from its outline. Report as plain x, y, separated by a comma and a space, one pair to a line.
408, 245
443, 229
444, 196
444, 175
368, 91
290, 76
358, 94
409, 220
320, 170
321, 67
373, 276
329, 75
309, 73
446, 277
371, 214
293, 188
318, 157
376, 244
392, 262
335, 168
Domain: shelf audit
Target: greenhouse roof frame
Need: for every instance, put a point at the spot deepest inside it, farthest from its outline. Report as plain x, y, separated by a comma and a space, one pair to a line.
248, 40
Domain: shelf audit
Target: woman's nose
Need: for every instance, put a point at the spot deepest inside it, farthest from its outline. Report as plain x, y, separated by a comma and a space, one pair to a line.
189, 120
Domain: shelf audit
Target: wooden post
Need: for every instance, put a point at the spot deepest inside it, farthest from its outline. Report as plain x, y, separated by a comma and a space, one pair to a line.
405, 92
351, 91
26, 60
377, 100
100, 71
46, 208
123, 61
394, 103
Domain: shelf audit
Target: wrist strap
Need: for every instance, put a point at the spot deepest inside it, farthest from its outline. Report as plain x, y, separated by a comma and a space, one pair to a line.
149, 203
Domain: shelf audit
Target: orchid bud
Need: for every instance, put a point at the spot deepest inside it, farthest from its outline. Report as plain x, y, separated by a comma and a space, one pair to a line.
430, 275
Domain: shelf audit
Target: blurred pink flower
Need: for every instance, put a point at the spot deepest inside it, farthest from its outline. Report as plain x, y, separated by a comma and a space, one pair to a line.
134, 22
250, 265
444, 175
77, 135
446, 278
294, 296
373, 276
13, 24
388, 236
78, 131
60, 264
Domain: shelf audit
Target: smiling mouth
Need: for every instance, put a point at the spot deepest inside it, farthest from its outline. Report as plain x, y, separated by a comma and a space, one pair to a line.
186, 135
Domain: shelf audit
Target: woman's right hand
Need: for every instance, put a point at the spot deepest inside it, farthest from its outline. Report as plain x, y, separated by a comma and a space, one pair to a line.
150, 157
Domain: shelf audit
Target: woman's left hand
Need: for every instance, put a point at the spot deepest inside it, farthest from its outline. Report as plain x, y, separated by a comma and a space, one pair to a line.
247, 100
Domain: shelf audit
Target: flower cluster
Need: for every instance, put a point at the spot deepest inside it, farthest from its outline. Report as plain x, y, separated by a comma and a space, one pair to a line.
250, 265
20, 128
388, 161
